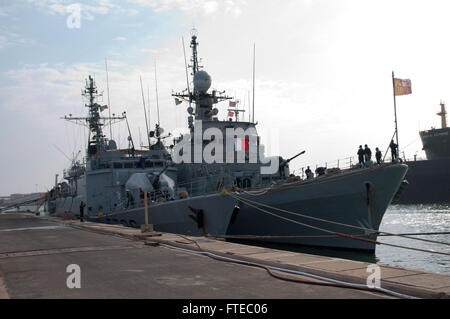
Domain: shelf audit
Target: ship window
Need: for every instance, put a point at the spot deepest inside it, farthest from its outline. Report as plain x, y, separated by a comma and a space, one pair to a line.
117, 165
128, 165
158, 164
104, 165
148, 164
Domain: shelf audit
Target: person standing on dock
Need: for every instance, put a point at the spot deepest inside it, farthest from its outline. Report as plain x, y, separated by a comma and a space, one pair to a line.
393, 148
367, 154
361, 156
378, 156
82, 205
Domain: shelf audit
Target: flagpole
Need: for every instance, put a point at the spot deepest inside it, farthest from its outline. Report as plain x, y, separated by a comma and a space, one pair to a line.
395, 112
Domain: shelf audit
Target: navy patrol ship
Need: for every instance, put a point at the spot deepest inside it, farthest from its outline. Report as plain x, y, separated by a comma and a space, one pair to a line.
337, 208
428, 180
116, 182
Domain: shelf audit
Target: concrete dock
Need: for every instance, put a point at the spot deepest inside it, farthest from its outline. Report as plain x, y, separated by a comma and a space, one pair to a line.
121, 262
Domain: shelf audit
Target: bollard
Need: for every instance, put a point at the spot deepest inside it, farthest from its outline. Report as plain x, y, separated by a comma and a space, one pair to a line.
146, 227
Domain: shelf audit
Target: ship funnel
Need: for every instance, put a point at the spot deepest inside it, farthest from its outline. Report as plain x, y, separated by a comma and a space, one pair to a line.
443, 115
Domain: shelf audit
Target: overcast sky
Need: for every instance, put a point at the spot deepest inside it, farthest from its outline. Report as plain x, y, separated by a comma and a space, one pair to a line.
323, 73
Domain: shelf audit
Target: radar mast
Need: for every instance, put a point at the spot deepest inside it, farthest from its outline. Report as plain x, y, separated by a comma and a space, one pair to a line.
204, 102
94, 122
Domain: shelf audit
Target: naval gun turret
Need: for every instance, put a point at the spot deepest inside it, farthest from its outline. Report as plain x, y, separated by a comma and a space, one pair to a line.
284, 164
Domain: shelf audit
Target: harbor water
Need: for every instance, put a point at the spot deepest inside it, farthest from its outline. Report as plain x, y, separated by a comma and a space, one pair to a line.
416, 219
399, 219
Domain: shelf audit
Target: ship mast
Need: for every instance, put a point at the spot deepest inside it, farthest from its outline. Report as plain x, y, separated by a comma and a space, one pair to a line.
204, 102
98, 142
195, 66
443, 115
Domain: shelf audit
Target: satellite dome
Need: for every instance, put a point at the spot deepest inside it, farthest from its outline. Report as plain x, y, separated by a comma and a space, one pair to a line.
202, 81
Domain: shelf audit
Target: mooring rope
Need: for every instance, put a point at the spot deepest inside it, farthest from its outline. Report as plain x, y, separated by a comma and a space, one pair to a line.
341, 224
337, 233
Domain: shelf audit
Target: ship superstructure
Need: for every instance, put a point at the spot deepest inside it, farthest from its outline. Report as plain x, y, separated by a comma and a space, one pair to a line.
436, 142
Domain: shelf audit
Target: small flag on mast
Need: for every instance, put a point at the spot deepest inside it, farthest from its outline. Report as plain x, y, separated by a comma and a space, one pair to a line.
402, 87
103, 107
232, 104
230, 113
178, 101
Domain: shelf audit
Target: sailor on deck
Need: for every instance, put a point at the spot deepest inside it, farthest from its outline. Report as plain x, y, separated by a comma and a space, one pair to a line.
393, 148
361, 156
378, 155
367, 154
309, 173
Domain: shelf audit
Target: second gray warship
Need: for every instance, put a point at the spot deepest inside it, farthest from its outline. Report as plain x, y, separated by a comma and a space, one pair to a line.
116, 181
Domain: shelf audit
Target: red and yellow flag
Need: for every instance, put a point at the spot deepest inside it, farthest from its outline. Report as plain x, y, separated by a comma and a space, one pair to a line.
402, 87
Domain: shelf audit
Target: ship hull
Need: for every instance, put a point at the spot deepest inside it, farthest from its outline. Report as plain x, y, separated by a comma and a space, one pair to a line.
343, 198
177, 217
428, 183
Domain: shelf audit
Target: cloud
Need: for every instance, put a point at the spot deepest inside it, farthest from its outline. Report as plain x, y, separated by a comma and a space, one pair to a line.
89, 9
3, 12
120, 39
9, 39
322, 71
210, 7
207, 7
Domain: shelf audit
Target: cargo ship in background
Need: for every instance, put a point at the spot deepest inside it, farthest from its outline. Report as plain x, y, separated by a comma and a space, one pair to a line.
429, 180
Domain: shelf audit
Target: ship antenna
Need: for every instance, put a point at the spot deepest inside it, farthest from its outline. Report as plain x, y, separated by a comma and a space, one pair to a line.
194, 45
156, 86
253, 102
186, 68
109, 103
148, 103
249, 106
145, 112
130, 139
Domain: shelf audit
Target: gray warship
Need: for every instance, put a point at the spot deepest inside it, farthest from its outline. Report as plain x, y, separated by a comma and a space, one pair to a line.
114, 182
341, 209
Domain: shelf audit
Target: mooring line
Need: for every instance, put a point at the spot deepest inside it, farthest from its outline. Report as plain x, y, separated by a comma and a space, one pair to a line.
340, 224
337, 233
